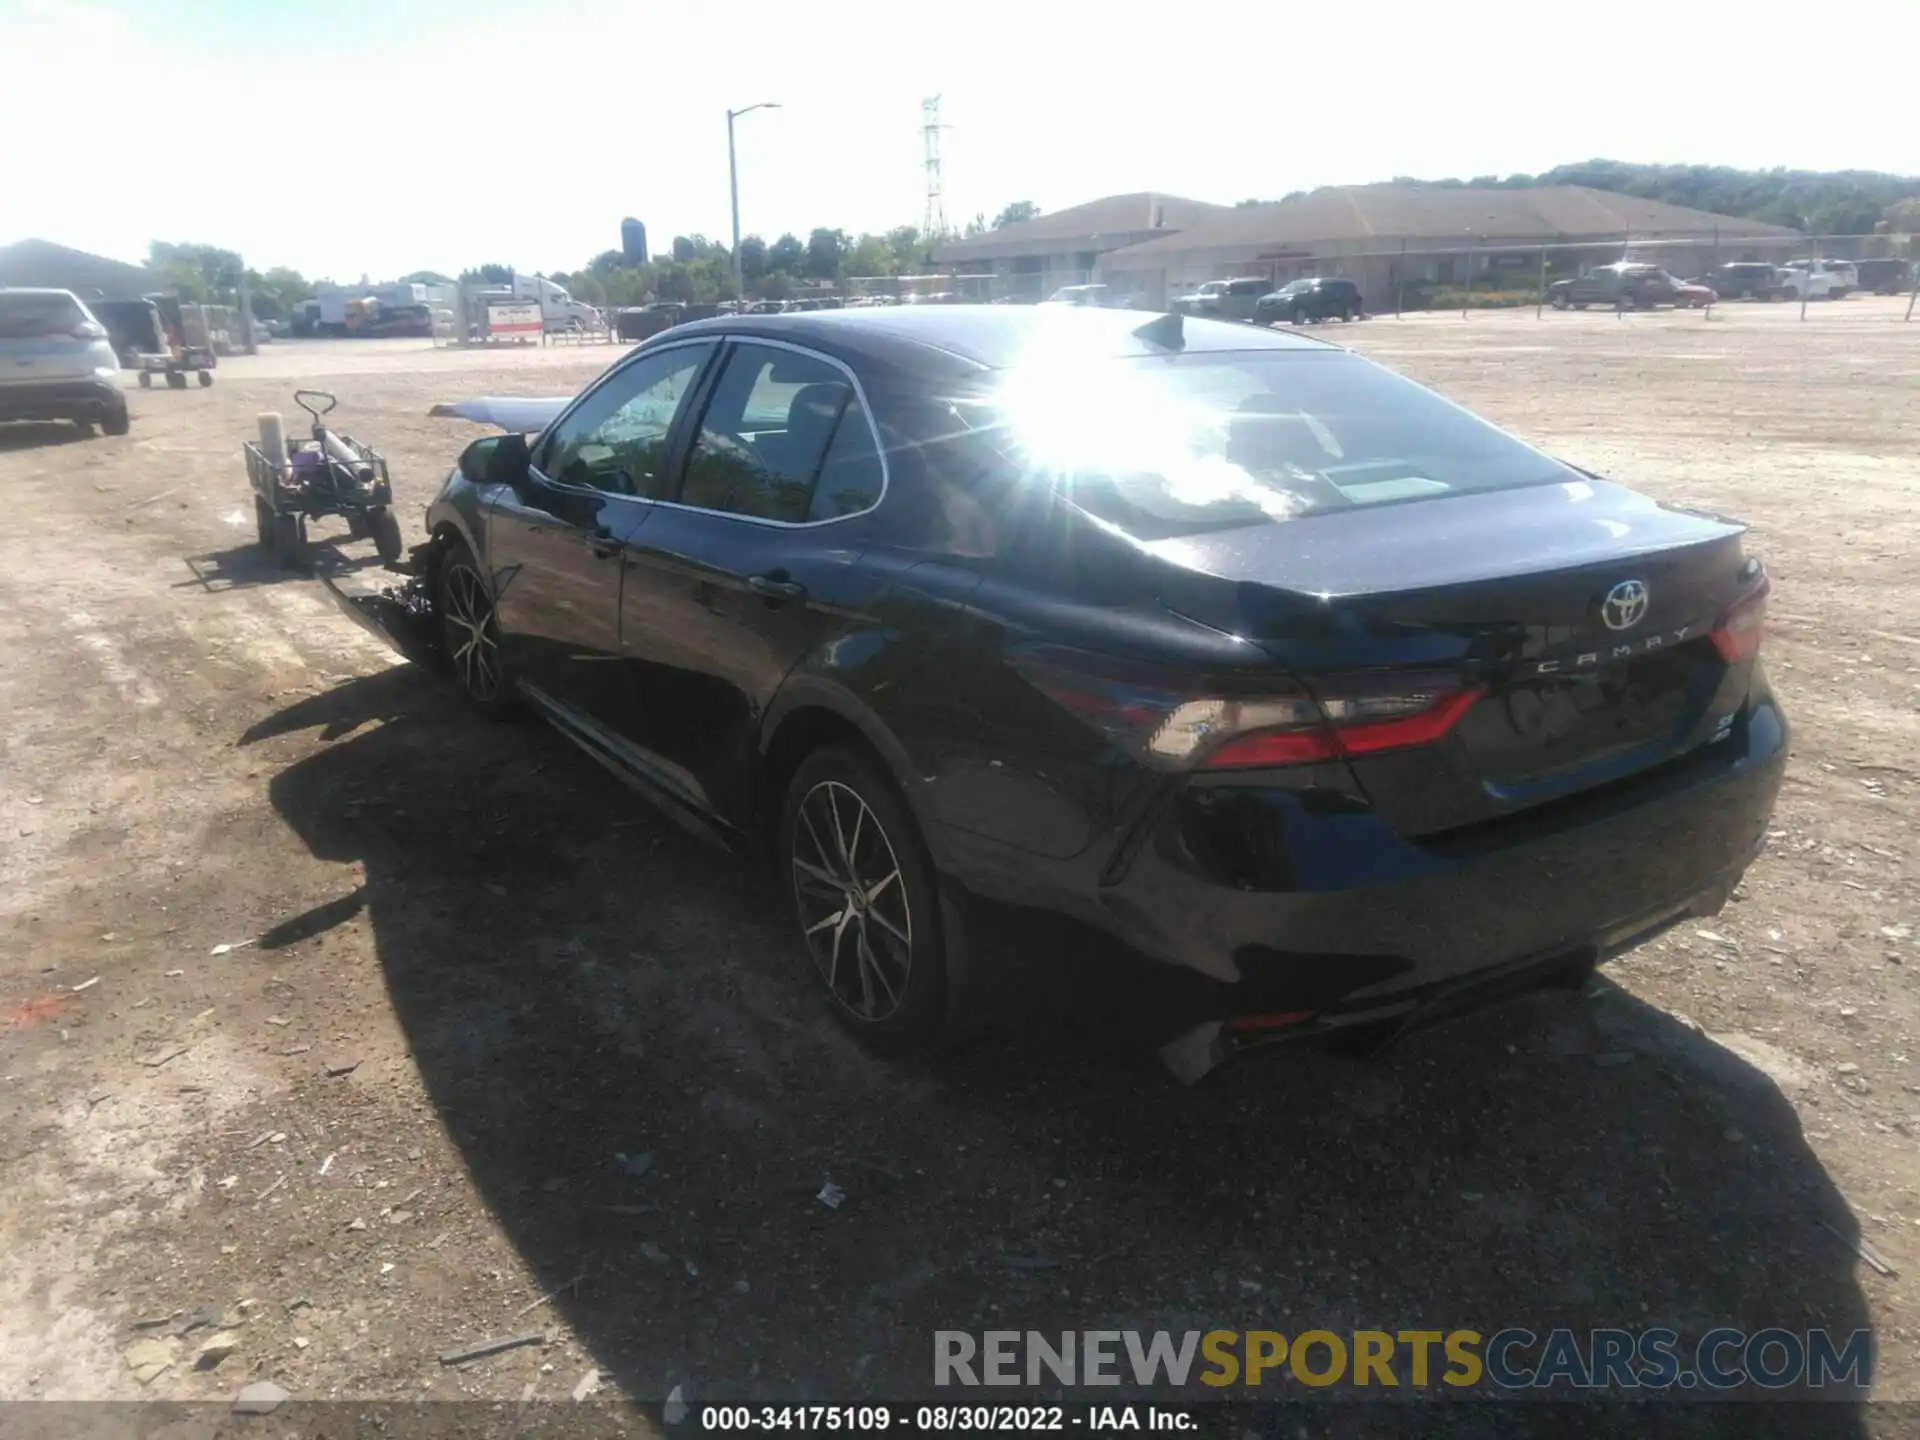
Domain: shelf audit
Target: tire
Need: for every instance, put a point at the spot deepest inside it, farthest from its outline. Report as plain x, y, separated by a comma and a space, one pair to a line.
176, 380
1579, 304
116, 422
84, 426
289, 535
385, 530
1299, 316
1346, 314
1558, 300
878, 955
263, 523
146, 379
469, 634
206, 378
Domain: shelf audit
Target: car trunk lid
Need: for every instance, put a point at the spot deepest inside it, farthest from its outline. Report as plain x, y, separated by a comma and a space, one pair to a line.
1579, 617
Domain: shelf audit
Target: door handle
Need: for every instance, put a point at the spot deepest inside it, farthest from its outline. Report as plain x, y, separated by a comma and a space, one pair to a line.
777, 586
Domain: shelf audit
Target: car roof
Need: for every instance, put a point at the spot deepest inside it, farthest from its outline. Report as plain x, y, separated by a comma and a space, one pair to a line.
43, 290
990, 336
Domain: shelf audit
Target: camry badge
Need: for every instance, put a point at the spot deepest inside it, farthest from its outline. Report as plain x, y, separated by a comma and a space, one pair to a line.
1625, 605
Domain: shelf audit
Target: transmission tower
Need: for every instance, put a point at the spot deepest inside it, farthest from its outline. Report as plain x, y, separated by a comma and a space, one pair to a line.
934, 226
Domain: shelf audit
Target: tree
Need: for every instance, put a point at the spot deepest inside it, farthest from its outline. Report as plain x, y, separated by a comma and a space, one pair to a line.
786, 253
426, 277
753, 258
683, 250
278, 291
910, 250
1016, 212
825, 248
487, 275
197, 272
869, 255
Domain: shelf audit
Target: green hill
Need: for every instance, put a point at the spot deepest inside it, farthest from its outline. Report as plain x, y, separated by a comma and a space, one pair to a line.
1821, 202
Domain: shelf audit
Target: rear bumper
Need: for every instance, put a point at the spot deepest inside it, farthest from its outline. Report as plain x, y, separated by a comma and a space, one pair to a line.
1369, 914
61, 400
1326, 912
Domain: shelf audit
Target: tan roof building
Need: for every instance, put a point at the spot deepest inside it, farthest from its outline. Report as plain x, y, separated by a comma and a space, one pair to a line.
1382, 236
1032, 258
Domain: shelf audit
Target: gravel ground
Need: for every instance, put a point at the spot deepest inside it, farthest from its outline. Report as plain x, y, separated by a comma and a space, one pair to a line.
495, 1051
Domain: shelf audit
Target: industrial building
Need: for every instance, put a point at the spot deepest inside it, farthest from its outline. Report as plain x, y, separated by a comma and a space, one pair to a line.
1388, 239
1030, 259
42, 264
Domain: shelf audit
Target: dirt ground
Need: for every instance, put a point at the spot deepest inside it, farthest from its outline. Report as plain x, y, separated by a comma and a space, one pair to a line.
581, 1059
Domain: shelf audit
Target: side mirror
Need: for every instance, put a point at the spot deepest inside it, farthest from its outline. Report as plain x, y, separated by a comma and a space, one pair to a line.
496, 460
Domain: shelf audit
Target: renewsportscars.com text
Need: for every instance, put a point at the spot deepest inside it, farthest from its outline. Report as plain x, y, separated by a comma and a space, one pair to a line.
1512, 1359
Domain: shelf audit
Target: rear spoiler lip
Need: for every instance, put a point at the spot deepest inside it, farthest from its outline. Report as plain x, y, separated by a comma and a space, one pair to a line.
516, 414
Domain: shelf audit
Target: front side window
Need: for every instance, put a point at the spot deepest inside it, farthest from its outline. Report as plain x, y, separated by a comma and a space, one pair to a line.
616, 439
783, 438
1188, 443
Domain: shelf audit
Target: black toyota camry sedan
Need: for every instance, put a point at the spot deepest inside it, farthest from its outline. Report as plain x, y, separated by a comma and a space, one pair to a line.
1252, 654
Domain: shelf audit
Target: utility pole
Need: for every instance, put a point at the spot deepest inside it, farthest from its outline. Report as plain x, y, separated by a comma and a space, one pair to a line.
733, 189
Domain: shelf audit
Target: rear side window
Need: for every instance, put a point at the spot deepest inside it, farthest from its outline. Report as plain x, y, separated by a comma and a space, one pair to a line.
33, 317
1189, 443
783, 438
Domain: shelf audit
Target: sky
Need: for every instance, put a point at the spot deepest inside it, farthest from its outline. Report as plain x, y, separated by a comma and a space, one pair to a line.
378, 137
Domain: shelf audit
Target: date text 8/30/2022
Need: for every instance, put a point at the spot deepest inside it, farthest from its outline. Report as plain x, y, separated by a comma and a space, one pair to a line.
998, 1419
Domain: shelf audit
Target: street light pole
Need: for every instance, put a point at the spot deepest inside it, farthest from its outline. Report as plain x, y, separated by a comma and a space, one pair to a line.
733, 188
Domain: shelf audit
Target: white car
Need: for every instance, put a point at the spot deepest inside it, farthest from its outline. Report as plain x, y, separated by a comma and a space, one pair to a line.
56, 362
1818, 279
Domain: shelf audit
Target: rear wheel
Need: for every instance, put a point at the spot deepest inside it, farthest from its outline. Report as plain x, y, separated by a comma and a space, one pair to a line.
289, 539
386, 534
263, 523
206, 378
1299, 316
469, 633
116, 422
176, 380
85, 427
146, 379
1558, 300
864, 895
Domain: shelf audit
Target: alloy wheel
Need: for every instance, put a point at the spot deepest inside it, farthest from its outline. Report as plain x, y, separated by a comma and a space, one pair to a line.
852, 901
472, 642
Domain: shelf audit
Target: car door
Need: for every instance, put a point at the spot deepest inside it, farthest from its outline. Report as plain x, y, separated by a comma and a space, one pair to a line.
755, 561
554, 540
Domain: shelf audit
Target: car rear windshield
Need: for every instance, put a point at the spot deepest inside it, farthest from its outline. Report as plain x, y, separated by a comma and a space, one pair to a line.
1181, 444
29, 317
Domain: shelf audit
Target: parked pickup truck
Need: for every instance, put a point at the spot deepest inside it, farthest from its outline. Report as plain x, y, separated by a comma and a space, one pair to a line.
1225, 299
1885, 276
1633, 286
1748, 280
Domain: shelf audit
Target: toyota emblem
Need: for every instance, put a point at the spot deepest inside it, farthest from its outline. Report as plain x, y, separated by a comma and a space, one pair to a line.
1625, 605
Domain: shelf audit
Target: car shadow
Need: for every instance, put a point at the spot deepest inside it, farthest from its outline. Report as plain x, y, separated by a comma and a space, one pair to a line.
582, 986
36, 434
242, 567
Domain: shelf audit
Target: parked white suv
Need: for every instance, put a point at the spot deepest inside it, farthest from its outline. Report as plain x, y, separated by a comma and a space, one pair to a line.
56, 362
1819, 279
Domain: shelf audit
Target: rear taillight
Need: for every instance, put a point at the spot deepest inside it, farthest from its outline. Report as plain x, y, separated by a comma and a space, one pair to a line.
1160, 719
1361, 723
1737, 634
88, 330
